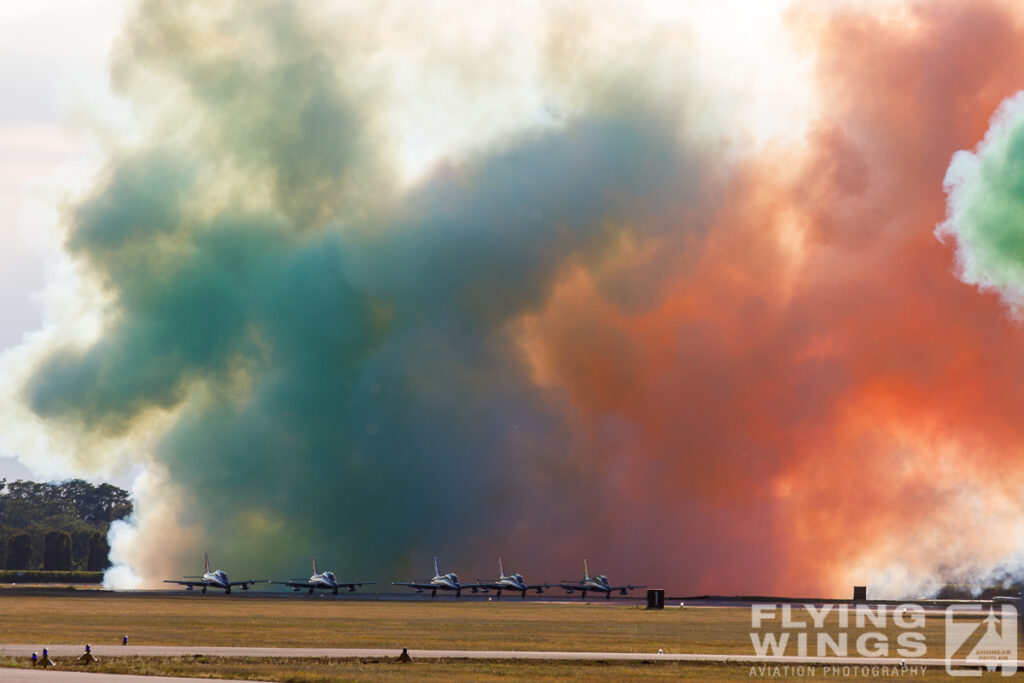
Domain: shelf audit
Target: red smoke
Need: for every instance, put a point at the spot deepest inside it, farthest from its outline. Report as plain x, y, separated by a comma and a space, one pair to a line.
816, 400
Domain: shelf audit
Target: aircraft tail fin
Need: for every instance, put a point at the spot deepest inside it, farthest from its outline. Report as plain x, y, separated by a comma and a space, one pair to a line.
436, 572
206, 561
501, 570
314, 563
586, 574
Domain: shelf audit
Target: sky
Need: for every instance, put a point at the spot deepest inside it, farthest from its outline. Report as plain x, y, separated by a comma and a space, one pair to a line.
725, 297
53, 69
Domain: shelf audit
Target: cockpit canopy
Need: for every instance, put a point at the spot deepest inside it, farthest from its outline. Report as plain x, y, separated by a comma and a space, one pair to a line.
453, 577
602, 578
518, 577
329, 576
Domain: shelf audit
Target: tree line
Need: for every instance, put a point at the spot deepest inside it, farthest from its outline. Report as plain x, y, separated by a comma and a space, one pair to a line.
59, 526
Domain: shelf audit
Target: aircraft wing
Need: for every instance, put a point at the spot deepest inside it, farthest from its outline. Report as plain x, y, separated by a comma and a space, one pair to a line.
355, 584
296, 584
578, 586
249, 582
413, 584
625, 588
480, 587
535, 586
188, 583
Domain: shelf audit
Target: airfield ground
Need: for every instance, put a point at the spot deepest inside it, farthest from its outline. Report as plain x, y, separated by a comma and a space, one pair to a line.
320, 670
214, 620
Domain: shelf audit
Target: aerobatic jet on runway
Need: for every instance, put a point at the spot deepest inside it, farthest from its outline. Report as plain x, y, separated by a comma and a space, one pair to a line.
597, 584
325, 580
217, 579
447, 582
512, 582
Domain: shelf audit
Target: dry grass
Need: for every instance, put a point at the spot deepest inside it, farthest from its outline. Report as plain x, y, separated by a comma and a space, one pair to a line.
229, 621
369, 669
225, 620
221, 620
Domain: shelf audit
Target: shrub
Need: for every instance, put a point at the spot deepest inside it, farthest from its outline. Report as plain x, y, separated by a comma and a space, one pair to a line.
39, 576
19, 551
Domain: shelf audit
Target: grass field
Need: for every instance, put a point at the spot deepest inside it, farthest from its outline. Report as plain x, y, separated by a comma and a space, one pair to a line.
221, 620
366, 669
509, 625
224, 620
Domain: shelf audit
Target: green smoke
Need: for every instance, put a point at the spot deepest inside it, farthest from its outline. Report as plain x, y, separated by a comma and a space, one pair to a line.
335, 348
986, 207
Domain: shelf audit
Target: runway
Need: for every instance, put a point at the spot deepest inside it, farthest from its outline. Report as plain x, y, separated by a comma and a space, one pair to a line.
319, 596
928, 605
16, 650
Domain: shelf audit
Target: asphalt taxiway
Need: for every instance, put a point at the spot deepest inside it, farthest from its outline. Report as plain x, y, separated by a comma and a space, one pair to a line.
551, 596
25, 650
52, 676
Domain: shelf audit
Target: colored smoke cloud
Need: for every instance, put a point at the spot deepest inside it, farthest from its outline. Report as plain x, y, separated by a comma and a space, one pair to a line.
590, 318
986, 207
331, 357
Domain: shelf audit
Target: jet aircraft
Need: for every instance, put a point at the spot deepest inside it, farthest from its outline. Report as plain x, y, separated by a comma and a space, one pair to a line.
597, 584
511, 582
214, 579
324, 580
446, 582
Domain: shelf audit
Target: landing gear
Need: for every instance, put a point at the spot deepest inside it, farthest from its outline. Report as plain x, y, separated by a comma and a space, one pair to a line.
335, 590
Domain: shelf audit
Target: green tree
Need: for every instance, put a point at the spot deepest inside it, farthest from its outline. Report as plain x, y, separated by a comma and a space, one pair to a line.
57, 551
19, 551
93, 504
75, 506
